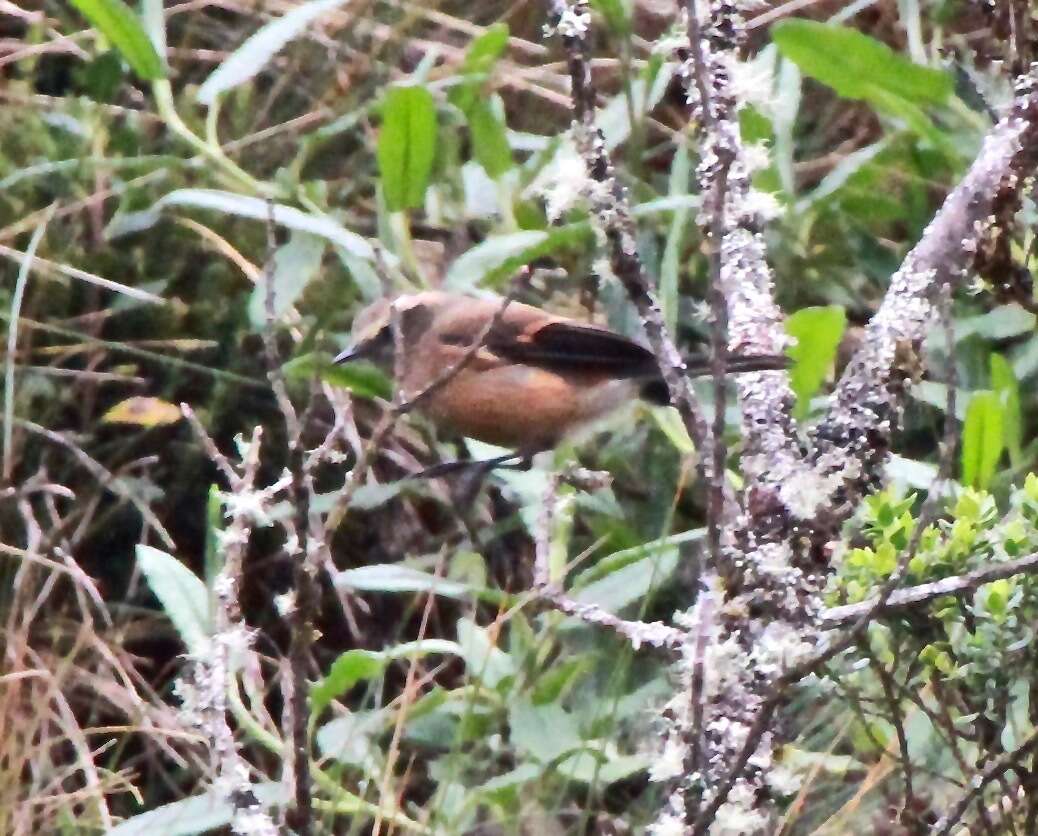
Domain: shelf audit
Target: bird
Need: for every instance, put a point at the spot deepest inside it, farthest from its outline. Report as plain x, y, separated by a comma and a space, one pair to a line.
525, 379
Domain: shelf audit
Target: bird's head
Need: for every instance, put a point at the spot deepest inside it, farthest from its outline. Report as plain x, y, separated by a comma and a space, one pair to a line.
371, 335
372, 332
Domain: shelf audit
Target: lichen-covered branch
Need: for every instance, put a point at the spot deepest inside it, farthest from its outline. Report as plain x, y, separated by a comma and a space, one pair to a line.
762, 614
611, 212
732, 217
756, 629
203, 689
852, 441
913, 596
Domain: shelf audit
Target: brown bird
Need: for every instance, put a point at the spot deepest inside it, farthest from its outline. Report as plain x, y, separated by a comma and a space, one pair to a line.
535, 379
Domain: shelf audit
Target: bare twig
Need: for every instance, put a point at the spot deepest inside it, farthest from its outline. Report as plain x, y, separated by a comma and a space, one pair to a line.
993, 772
655, 634
204, 691
299, 549
912, 597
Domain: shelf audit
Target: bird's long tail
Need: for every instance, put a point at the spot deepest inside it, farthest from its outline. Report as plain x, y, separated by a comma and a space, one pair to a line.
655, 391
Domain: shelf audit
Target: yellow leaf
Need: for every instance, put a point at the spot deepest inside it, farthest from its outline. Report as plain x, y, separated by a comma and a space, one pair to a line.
145, 412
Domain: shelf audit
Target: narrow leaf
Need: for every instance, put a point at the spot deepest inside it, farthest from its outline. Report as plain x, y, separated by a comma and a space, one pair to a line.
197, 814
490, 146
982, 439
362, 379
245, 207
1004, 382
253, 55
296, 264
855, 65
406, 146
350, 668
121, 26
670, 265
480, 59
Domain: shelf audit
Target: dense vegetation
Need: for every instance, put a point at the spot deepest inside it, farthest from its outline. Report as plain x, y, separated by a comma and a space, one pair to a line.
195, 201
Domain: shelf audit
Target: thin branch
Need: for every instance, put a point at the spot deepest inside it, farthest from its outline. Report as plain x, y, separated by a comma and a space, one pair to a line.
993, 772
655, 634
298, 547
854, 437
611, 211
912, 597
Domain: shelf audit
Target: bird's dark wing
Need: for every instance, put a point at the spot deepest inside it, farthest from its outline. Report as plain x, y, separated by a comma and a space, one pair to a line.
570, 346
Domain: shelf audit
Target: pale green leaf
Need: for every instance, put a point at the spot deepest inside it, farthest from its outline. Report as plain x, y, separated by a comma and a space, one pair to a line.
182, 593
818, 332
253, 55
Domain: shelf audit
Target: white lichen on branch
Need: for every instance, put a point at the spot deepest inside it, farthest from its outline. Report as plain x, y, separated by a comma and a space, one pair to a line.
208, 678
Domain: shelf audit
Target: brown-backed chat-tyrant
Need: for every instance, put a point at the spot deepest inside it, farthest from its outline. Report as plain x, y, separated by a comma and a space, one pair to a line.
535, 379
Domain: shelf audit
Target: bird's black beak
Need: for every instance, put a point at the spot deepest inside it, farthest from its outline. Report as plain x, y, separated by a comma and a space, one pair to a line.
354, 352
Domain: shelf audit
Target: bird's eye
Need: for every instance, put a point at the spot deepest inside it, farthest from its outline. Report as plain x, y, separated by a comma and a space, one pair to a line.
455, 339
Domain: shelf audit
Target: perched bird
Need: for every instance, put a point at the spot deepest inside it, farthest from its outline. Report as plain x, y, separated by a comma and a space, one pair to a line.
535, 378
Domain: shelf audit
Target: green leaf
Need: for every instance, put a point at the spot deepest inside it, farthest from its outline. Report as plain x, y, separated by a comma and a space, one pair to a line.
253, 55
296, 264
490, 145
121, 26
545, 732
616, 14
818, 332
983, 439
1004, 382
362, 379
670, 264
406, 146
670, 423
618, 560
246, 207
153, 20
350, 668
182, 594
199, 813
483, 658
492, 261
624, 586
395, 577
1001, 323
353, 739
484, 51
480, 59
857, 66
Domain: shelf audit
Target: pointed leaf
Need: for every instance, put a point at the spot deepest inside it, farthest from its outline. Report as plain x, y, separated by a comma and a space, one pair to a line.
857, 66
350, 668
182, 594
120, 25
1004, 382
982, 439
253, 55
296, 264
406, 146
197, 814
